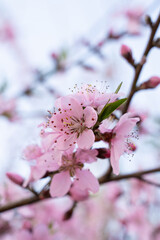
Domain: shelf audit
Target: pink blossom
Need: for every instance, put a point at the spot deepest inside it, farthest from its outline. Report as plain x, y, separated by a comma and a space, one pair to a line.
89, 95
32, 152
8, 108
134, 17
136, 221
71, 170
118, 136
139, 190
46, 159
73, 124
120, 133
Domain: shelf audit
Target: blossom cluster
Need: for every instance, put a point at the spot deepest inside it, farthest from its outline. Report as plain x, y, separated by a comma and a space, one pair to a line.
67, 141
46, 220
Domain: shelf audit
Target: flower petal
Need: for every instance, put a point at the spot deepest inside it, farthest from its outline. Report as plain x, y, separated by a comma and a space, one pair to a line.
117, 149
86, 181
60, 184
90, 116
86, 139
65, 141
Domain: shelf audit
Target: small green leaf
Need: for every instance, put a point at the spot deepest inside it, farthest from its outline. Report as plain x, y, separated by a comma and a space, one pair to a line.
118, 88
63, 54
109, 108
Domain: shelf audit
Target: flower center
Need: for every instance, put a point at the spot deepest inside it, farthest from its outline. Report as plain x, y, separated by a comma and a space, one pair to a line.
70, 164
75, 125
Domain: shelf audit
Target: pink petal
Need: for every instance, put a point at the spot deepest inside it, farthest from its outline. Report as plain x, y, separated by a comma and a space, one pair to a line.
77, 194
87, 181
86, 155
86, 139
60, 184
117, 149
65, 141
90, 116
48, 141
72, 104
125, 124
76, 108
50, 160
37, 172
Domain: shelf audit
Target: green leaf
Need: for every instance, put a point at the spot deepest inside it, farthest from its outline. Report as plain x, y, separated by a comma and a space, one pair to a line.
118, 88
109, 108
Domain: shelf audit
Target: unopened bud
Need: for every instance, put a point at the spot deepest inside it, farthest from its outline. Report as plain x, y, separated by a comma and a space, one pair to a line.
154, 81
17, 179
151, 83
148, 20
156, 43
103, 153
126, 52
54, 56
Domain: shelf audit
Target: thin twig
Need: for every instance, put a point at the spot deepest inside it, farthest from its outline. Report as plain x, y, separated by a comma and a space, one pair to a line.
19, 203
140, 65
148, 182
126, 176
102, 180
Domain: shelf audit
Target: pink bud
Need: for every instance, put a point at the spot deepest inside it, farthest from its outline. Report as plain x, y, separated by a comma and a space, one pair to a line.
154, 81
101, 43
151, 83
54, 56
17, 179
103, 153
125, 50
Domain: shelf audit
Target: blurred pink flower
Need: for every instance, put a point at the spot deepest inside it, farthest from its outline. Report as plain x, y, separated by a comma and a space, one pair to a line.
32, 152
8, 109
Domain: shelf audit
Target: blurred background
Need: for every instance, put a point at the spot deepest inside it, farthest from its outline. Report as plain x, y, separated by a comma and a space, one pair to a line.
46, 47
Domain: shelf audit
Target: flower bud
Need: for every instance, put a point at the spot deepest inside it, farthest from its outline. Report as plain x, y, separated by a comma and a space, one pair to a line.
126, 52
54, 56
151, 83
154, 81
17, 179
103, 153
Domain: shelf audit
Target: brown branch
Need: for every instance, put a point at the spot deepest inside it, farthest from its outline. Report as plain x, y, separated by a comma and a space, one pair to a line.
126, 176
20, 203
149, 182
102, 180
140, 65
